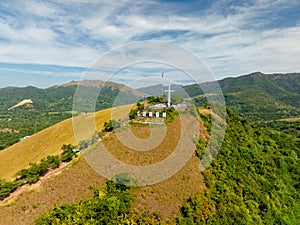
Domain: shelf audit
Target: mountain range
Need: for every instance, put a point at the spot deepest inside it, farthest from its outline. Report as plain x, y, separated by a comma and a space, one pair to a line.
256, 97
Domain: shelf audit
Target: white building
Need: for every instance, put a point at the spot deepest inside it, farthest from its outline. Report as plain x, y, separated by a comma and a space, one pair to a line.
157, 106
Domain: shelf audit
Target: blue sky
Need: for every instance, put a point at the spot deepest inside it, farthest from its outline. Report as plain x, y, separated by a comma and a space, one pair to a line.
48, 42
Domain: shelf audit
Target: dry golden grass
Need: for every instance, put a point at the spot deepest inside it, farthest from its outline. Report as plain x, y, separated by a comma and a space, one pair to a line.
165, 197
143, 131
49, 142
205, 111
138, 158
168, 196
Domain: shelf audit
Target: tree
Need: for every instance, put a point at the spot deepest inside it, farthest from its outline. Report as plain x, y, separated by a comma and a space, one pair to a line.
176, 99
140, 106
111, 125
68, 153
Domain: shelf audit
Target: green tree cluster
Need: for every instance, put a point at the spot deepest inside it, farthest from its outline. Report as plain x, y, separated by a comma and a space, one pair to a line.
156, 99
133, 112
110, 126
6, 188
171, 114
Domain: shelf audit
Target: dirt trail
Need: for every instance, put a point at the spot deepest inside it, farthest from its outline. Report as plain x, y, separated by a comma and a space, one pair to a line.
25, 187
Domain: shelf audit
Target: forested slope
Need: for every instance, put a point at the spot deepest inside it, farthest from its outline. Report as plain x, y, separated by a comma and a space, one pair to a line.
253, 180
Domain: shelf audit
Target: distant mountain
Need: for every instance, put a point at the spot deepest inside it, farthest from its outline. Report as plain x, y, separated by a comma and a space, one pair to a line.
100, 83
258, 96
158, 89
60, 97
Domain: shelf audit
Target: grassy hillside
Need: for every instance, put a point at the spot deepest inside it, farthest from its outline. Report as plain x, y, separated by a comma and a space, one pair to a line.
71, 183
47, 142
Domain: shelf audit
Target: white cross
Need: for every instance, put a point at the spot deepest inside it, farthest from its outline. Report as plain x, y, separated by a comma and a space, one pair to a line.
169, 95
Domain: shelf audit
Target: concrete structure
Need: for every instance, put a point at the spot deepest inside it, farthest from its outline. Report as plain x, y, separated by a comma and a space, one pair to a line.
180, 106
157, 106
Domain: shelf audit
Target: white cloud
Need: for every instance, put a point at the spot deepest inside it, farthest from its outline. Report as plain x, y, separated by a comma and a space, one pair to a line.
232, 39
41, 9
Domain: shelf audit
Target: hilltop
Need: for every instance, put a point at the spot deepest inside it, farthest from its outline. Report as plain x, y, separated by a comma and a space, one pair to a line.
71, 183
102, 84
257, 97
59, 97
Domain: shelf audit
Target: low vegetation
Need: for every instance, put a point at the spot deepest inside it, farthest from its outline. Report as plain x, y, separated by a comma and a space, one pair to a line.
253, 180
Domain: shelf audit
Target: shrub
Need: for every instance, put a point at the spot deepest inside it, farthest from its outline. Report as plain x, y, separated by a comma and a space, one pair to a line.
68, 153
6, 188
111, 125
